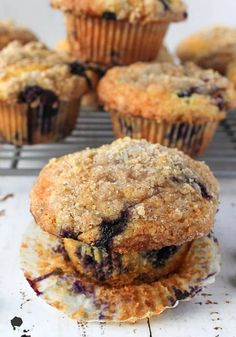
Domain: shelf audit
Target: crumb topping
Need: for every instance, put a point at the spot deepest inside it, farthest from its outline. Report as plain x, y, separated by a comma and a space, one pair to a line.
132, 10
32, 64
167, 92
9, 32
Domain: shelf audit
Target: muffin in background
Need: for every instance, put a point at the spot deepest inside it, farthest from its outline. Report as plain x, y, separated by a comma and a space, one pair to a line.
118, 33
40, 93
10, 32
213, 47
96, 72
176, 106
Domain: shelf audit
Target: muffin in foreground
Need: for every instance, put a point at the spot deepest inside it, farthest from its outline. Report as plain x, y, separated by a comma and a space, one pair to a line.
213, 47
40, 92
125, 231
118, 32
10, 32
176, 106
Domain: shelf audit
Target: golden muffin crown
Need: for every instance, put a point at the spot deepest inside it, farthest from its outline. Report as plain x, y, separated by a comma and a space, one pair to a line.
131, 195
34, 64
167, 92
132, 10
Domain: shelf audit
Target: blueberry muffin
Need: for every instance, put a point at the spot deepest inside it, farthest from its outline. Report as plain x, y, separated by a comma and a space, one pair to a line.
40, 92
176, 106
10, 32
213, 47
118, 32
126, 216
111, 195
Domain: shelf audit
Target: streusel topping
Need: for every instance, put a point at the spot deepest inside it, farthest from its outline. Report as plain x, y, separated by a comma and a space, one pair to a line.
131, 195
9, 32
167, 92
132, 10
35, 64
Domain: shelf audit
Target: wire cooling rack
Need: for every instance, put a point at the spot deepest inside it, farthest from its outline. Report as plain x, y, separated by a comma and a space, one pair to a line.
94, 129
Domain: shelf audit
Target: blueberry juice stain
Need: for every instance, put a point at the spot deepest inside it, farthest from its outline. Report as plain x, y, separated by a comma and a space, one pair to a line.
16, 322
42, 108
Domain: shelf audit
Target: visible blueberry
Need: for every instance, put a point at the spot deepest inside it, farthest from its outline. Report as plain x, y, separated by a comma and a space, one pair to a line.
166, 4
112, 228
77, 68
88, 261
187, 93
108, 15
192, 181
33, 93
181, 295
158, 258
68, 234
219, 101
78, 288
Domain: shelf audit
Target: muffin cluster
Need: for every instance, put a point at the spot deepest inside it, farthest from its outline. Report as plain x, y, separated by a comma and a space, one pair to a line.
125, 214
124, 231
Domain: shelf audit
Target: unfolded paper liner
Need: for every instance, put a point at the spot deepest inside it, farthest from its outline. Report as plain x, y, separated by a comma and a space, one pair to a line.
193, 139
21, 124
53, 278
112, 42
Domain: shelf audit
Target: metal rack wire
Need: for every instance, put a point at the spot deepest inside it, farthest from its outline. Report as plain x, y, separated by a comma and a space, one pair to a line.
94, 129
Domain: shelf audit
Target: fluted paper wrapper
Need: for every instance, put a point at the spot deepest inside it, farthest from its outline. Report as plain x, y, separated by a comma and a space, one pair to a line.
193, 139
20, 124
114, 42
53, 278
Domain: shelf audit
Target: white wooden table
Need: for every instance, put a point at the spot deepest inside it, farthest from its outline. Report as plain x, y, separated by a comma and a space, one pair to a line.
210, 314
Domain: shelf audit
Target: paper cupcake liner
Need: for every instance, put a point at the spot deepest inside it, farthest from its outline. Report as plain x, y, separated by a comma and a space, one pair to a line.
107, 267
53, 278
193, 139
22, 124
113, 42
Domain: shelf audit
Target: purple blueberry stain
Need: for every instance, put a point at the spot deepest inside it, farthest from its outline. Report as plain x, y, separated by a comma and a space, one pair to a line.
112, 228
108, 15
16, 322
158, 258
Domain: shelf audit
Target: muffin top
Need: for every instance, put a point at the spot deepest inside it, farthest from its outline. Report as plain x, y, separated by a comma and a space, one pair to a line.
167, 92
9, 32
132, 10
130, 195
212, 47
33, 64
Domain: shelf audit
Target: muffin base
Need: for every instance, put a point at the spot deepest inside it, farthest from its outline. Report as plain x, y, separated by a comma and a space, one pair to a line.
193, 139
106, 267
114, 42
53, 278
21, 124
